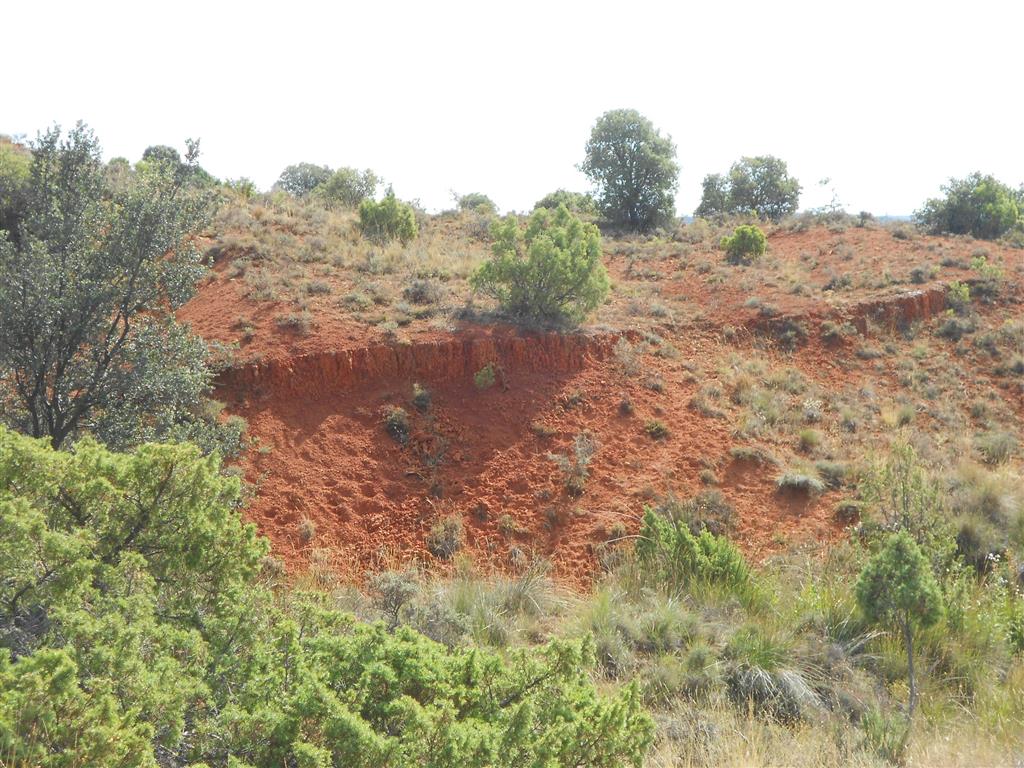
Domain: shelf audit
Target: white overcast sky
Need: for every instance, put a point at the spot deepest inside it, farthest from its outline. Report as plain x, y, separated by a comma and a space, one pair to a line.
889, 99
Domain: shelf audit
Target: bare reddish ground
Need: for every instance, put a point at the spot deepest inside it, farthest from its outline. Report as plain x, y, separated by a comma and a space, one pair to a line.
314, 405
371, 499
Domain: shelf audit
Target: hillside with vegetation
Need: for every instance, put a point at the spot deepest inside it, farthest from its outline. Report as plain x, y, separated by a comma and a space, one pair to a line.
314, 477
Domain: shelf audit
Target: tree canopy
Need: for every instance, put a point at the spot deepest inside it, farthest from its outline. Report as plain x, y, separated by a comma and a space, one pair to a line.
302, 178
476, 201
634, 169
89, 277
759, 186
348, 187
15, 170
976, 205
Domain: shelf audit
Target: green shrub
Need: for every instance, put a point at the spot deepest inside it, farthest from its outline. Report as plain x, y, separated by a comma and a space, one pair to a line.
955, 328
990, 279
656, 429
669, 554
975, 205
393, 592
15, 170
302, 178
88, 291
299, 322
485, 377
552, 272
905, 414
896, 587
958, 296
834, 332
761, 676
136, 632
746, 244
923, 273
477, 201
387, 220
997, 447
421, 398
578, 202
902, 232
809, 439
708, 510
789, 332
317, 288
576, 467
885, 734
832, 472
979, 541
423, 291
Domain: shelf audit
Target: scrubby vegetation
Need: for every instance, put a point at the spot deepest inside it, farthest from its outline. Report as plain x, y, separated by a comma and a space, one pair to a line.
138, 630
348, 187
476, 201
551, 272
345, 187
144, 624
877, 618
386, 220
744, 245
579, 203
739, 662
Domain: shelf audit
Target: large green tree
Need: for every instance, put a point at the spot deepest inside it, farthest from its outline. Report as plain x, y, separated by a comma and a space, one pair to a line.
634, 169
976, 205
759, 186
302, 178
89, 279
348, 187
136, 630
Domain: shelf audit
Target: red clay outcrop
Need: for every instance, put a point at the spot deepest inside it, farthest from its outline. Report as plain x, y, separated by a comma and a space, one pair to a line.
448, 360
904, 307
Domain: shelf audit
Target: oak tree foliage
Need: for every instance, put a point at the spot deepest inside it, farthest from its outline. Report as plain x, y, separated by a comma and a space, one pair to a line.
976, 205
633, 168
758, 186
89, 278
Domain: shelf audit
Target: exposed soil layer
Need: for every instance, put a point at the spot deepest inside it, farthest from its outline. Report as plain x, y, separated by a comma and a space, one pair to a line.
456, 358
483, 455
333, 483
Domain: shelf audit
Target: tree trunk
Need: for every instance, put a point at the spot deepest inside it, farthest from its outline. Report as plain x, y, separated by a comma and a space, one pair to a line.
908, 639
